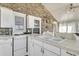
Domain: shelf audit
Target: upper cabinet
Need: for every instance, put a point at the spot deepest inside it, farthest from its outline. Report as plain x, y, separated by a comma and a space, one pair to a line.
19, 22
34, 23
37, 22
12, 19
30, 21
6, 17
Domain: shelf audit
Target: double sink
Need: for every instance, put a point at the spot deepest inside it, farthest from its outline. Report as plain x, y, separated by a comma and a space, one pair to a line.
52, 39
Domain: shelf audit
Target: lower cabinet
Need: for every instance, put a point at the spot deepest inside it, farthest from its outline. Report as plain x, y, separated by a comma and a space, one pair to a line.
5, 46
41, 51
33, 48
20, 45
6, 50
68, 53
48, 53
21, 52
37, 50
53, 49
30, 46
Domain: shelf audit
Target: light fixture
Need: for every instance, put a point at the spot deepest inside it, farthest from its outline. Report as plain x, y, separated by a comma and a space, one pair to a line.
71, 14
54, 22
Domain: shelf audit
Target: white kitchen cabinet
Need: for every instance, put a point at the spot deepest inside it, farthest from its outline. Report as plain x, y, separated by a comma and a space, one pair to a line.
37, 22
39, 48
20, 45
20, 52
19, 23
68, 53
34, 48
5, 46
19, 42
6, 50
52, 48
34, 23
38, 51
11, 19
48, 53
30, 46
6, 17
30, 21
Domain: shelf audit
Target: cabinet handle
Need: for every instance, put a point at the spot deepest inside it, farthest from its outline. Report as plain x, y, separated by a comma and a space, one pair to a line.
41, 50
70, 54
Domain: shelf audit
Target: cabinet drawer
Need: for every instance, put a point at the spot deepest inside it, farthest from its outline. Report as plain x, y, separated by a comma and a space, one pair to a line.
5, 40
52, 48
67, 53
21, 52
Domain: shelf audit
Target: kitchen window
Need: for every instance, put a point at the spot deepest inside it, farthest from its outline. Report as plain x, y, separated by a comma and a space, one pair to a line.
62, 27
67, 27
69, 30
71, 27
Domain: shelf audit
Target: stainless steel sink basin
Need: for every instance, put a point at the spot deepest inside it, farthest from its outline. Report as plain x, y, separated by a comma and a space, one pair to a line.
57, 40
52, 39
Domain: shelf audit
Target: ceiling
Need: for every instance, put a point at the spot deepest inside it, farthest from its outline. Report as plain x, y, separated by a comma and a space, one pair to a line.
58, 9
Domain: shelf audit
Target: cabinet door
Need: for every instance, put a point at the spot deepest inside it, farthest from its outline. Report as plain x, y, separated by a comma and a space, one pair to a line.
20, 45
30, 21
48, 53
30, 46
7, 18
37, 22
21, 52
5, 50
64, 53
68, 53
37, 50
20, 42
52, 48
20, 23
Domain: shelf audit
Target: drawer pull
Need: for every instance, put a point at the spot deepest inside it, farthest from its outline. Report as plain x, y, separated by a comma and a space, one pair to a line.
41, 49
70, 54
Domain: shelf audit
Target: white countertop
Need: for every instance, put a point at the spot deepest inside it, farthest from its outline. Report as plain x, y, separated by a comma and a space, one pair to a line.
1, 36
72, 45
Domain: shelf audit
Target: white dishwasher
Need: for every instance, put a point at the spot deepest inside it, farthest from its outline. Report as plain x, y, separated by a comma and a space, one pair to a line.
19, 45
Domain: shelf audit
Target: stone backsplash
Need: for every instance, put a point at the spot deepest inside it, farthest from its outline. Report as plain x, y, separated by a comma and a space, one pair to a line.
35, 9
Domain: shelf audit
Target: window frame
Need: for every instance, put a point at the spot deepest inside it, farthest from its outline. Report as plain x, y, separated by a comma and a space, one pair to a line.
67, 25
